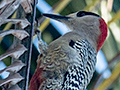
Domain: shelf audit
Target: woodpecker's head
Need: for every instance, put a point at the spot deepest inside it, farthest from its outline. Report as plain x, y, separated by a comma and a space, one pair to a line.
89, 25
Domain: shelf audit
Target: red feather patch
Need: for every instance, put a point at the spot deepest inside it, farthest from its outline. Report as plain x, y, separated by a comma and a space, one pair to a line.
103, 35
37, 79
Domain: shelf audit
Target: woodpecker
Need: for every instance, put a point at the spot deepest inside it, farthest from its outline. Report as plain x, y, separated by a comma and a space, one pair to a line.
68, 63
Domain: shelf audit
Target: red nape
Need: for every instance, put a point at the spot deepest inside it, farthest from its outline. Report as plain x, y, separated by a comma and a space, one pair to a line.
37, 79
103, 35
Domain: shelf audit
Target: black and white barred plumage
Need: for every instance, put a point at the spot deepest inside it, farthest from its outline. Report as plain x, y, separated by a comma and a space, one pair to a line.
79, 75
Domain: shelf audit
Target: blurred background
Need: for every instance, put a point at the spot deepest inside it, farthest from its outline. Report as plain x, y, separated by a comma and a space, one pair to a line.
107, 74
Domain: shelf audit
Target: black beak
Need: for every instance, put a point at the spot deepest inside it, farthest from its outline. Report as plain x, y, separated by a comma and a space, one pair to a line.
57, 17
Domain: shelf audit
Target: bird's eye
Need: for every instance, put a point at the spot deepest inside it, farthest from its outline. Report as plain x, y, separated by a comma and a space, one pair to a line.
80, 14
84, 13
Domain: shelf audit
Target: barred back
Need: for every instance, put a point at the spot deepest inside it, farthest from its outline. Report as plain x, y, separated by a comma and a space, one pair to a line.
78, 76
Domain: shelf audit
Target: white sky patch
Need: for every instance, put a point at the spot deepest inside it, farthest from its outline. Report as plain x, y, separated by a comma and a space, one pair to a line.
102, 65
4, 74
43, 6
